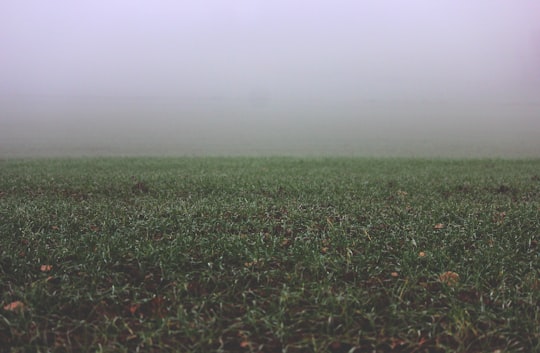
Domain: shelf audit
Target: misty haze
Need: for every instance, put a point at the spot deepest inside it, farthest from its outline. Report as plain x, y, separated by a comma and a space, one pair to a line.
451, 78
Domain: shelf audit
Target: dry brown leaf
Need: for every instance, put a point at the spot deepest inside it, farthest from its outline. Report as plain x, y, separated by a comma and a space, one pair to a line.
14, 306
253, 263
45, 268
438, 226
499, 217
396, 343
449, 278
133, 308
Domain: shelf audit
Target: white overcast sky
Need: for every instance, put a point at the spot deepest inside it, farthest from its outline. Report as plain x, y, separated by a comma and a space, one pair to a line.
284, 49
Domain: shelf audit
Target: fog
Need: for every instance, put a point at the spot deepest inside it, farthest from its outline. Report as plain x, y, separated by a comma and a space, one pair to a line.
450, 78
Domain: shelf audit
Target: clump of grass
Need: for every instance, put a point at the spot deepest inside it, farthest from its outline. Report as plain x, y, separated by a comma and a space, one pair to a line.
269, 255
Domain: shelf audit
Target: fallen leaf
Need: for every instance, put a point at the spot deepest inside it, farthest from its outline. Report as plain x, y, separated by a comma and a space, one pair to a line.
338, 347
53, 280
396, 343
45, 268
335, 345
94, 228
244, 344
499, 217
14, 306
55, 228
252, 263
394, 274
449, 278
140, 187
133, 308
158, 306
438, 226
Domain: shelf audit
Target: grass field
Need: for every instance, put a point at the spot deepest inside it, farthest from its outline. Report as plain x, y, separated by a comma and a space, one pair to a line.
269, 255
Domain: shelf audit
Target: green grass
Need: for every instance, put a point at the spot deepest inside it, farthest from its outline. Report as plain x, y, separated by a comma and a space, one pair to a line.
269, 255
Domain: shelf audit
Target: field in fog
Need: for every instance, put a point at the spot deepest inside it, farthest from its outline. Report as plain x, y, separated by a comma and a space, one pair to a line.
269, 255
260, 127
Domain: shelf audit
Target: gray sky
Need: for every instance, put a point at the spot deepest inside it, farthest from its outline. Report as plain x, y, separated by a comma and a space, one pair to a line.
291, 59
